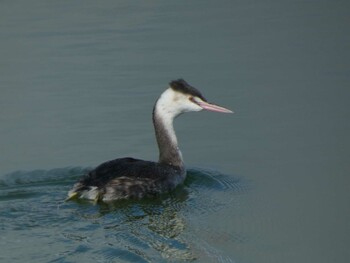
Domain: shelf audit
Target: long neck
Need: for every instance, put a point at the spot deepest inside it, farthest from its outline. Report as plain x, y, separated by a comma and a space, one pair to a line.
169, 152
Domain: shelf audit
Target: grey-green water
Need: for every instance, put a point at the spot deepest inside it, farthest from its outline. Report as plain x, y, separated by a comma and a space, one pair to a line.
78, 80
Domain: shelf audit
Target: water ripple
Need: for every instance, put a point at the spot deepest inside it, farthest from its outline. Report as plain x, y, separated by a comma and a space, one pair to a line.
36, 177
211, 191
150, 230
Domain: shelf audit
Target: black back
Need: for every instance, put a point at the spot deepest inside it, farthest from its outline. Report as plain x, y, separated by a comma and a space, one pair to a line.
161, 174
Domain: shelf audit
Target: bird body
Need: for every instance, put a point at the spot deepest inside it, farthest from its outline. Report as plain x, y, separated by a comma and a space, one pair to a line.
129, 178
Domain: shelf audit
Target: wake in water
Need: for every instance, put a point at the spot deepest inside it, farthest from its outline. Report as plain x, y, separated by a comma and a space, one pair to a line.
22, 184
151, 230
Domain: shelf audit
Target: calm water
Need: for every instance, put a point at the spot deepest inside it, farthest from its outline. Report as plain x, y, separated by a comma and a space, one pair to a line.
266, 184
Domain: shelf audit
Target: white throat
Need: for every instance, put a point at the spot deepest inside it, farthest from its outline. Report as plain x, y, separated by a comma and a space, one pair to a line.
165, 111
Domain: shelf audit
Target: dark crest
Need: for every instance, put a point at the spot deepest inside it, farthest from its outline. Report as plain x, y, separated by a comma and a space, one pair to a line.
181, 85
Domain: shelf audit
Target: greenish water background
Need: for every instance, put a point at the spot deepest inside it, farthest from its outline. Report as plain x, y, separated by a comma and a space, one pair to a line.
267, 184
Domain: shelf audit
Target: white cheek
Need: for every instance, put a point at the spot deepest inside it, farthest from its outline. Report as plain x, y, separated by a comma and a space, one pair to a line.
190, 106
172, 104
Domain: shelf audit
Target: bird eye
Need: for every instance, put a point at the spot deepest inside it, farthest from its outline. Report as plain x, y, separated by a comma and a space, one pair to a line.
193, 99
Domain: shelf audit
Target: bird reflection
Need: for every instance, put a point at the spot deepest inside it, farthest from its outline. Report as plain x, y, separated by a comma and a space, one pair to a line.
157, 229
156, 224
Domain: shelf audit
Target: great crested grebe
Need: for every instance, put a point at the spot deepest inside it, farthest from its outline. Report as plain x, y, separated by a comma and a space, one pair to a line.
126, 178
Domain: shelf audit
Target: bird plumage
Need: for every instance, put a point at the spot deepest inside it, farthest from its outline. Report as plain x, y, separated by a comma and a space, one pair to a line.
126, 178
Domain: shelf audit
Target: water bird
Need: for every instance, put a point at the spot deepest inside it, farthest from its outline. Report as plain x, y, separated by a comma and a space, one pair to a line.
129, 178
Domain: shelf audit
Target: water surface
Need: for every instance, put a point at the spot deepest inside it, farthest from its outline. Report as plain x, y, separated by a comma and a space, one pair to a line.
266, 184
